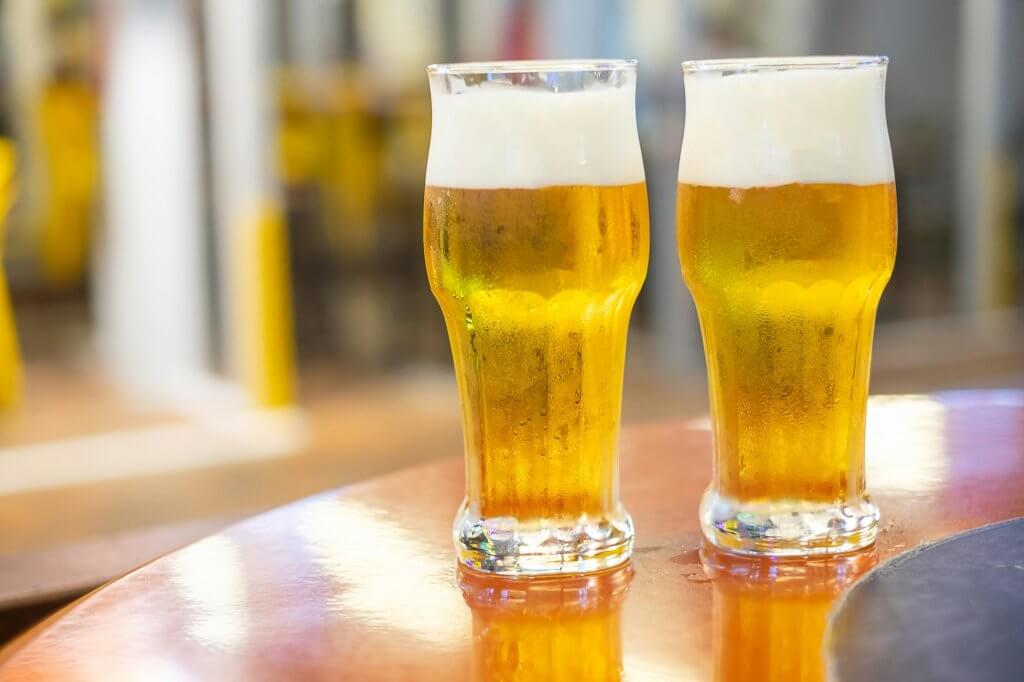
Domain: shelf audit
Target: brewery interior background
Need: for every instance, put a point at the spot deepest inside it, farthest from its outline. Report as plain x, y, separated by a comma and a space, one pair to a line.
213, 241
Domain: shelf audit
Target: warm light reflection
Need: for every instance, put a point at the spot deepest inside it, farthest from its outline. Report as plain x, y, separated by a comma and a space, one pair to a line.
770, 614
546, 629
151, 669
210, 577
384, 574
906, 444
699, 423
640, 668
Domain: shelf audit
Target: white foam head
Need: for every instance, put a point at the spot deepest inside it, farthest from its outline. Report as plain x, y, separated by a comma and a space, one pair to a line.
495, 135
767, 127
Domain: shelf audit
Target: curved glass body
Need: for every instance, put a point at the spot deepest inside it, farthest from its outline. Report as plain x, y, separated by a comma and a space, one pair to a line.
536, 243
787, 235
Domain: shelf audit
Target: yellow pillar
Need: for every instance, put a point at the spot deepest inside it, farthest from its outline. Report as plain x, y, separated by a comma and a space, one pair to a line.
266, 330
255, 272
67, 115
10, 359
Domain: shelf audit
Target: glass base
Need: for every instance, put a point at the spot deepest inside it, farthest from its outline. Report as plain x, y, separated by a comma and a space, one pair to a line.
787, 528
506, 546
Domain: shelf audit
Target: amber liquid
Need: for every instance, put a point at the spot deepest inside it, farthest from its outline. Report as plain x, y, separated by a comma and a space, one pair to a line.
559, 647
769, 618
561, 630
787, 282
536, 287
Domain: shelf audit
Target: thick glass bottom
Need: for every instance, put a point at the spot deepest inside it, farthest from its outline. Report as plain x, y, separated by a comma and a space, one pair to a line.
787, 527
507, 546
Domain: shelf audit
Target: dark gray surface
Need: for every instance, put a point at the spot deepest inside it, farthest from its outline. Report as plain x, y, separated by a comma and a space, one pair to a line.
953, 610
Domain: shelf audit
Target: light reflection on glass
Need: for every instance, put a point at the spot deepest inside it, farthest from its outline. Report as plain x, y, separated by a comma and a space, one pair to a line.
906, 444
770, 614
210, 577
384, 575
546, 629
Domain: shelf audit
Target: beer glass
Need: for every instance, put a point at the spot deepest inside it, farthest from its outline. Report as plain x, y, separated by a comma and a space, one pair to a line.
536, 243
786, 214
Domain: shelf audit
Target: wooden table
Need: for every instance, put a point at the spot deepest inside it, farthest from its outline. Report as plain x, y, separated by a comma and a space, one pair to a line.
361, 584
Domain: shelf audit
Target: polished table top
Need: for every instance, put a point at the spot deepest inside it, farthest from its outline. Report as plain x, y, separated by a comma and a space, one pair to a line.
361, 583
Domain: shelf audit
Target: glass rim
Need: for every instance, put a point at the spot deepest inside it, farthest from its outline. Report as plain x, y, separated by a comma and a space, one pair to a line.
533, 66
756, 64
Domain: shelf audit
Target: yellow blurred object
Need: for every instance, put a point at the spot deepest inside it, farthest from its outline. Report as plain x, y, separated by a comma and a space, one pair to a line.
267, 338
10, 358
352, 169
301, 132
1003, 188
408, 142
67, 121
327, 139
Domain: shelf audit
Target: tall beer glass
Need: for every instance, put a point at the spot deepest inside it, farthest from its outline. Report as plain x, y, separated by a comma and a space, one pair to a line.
787, 234
536, 237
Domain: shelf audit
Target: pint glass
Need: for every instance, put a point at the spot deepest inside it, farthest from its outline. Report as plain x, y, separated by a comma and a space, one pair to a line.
786, 215
535, 233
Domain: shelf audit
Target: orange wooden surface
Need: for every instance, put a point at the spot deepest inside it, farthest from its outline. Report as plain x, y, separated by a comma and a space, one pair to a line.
361, 584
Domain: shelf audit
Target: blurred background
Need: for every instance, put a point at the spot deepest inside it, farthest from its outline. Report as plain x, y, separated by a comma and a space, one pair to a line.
215, 295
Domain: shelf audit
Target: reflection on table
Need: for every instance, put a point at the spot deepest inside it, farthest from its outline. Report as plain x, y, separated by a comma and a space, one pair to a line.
548, 629
770, 615
361, 583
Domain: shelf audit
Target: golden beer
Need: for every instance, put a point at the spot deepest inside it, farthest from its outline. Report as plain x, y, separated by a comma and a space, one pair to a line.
536, 287
786, 281
786, 216
536, 242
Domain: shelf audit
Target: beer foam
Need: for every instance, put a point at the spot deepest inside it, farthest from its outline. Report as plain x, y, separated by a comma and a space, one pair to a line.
805, 125
495, 136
